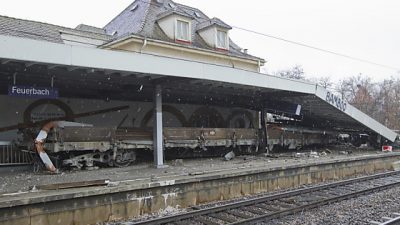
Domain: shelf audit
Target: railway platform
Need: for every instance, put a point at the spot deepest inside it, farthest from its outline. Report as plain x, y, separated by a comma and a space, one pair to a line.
29, 198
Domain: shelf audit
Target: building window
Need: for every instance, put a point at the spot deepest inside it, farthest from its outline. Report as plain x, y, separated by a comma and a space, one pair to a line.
222, 39
182, 30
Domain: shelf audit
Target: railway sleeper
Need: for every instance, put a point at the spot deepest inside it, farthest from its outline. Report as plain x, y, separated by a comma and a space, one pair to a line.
254, 210
268, 207
240, 214
283, 205
224, 217
331, 194
206, 220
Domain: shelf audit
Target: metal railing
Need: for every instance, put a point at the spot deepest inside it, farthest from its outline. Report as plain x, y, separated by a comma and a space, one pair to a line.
10, 155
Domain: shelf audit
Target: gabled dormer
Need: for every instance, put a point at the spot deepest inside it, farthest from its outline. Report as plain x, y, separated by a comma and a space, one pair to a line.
176, 24
215, 33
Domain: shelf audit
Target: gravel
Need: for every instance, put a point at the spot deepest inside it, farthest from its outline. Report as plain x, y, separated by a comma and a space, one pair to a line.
377, 208
359, 210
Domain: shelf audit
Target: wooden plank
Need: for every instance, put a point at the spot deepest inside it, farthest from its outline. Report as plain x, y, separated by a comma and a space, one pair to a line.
78, 184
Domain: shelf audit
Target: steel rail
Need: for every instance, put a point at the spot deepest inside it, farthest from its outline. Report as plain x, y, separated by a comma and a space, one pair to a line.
394, 221
389, 220
258, 200
315, 204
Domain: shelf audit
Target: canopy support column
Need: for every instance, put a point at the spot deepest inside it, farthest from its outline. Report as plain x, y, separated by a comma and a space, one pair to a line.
158, 148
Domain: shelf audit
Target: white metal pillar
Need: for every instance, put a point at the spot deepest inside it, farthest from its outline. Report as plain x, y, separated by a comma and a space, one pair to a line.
158, 129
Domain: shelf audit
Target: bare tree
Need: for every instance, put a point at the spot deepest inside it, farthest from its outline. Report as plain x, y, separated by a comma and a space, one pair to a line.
295, 72
389, 100
325, 82
379, 100
361, 92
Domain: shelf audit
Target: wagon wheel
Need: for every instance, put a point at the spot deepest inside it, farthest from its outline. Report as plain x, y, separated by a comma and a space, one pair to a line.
124, 158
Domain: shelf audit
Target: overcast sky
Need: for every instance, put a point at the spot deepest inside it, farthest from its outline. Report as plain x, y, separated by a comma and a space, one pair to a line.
366, 29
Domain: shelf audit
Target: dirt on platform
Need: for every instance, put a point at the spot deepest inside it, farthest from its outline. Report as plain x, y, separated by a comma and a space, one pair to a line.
15, 180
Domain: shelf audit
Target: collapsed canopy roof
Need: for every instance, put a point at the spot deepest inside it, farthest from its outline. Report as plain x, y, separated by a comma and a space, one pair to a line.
183, 81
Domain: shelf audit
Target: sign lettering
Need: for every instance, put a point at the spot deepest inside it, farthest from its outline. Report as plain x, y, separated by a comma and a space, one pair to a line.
336, 101
32, 92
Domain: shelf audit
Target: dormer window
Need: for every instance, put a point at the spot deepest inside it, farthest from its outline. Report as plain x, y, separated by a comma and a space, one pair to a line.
182, 30
176, 24
215, 33
222, 39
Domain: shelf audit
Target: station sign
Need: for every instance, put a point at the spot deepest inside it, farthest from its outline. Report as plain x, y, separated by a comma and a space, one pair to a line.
336, 101
32, 92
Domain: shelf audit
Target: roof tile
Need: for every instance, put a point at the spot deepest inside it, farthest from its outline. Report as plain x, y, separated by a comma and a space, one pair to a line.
44, 31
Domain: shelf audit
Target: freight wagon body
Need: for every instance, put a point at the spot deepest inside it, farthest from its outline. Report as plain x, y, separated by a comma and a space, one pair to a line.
86, 146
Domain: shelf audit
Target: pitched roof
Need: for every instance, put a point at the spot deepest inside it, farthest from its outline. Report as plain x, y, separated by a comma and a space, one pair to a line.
44, 31
29, 29
143, 22
88, 28
211, 22
139, 18
176, 11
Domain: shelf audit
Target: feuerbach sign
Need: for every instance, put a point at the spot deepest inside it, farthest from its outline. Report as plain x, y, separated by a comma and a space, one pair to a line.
32, 92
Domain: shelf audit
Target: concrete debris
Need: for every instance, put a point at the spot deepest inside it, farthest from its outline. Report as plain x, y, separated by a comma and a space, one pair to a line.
153, 177
92, 168
313, 154
328, 151
364, 146
33, 188
113, 184
229, 156
12, 180
169, 211
196, 173
300, 155
323, 153
268, 155
178, 162
247, 157
345, 152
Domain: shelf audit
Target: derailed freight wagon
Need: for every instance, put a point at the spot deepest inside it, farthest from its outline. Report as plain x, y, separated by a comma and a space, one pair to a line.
120, 130
84, 146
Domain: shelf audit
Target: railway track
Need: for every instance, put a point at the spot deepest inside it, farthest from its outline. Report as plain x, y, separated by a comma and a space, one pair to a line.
277, 205
389, 220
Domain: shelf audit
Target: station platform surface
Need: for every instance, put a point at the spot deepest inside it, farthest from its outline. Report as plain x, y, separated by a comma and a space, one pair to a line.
15, 181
